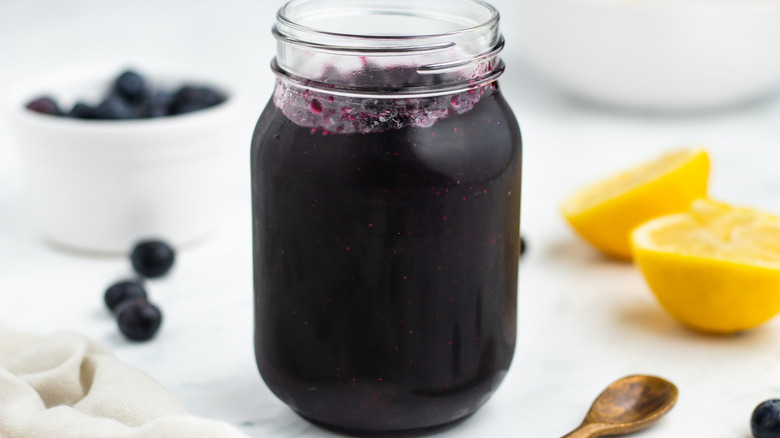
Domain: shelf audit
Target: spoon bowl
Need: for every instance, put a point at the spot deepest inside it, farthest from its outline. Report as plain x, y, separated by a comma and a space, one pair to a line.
627, 405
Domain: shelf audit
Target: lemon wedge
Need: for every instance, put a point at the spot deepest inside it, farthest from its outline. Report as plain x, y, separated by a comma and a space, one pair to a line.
715, 268
604, 213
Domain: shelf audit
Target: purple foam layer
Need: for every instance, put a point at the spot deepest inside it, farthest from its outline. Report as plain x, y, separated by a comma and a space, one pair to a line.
346, 115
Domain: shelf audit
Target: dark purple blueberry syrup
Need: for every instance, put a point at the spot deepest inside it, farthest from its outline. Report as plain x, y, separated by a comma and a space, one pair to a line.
386, 254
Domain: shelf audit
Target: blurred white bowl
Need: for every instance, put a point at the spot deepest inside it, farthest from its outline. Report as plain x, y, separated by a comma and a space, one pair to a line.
655, 54
100, 186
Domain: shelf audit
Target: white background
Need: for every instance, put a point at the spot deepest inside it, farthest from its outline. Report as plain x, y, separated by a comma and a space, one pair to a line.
583, 320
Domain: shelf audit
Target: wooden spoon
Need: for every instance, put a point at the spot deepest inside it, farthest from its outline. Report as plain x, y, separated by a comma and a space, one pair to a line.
628, 405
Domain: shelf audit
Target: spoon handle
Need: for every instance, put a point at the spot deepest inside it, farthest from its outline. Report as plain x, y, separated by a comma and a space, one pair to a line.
586, 430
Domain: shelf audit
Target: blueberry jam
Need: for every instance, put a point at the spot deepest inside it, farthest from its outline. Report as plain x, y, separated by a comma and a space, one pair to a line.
386, 254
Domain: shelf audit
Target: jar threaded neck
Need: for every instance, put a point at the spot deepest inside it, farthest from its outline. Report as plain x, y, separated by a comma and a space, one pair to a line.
408, 48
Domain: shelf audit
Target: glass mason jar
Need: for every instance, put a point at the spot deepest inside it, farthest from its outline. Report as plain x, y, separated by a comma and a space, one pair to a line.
386, 209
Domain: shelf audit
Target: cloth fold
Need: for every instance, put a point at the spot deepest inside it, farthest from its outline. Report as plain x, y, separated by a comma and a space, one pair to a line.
68, 386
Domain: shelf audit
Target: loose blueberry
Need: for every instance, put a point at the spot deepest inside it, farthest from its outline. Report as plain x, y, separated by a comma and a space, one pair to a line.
122, 291
765, 422
130, 86
44, 105
523, 245
189, 99
114, 108
138, 319
82, 111
152, 258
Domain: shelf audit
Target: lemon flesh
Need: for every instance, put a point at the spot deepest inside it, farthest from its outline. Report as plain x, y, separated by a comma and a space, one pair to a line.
715, 268
604, 213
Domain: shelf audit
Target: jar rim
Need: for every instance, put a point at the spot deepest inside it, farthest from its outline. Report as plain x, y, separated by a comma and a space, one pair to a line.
284, 17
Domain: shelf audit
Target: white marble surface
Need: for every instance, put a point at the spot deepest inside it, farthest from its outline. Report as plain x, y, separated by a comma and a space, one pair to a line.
584, 320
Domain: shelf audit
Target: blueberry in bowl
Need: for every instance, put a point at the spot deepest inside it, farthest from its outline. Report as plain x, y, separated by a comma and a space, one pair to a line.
44, 105
130, 96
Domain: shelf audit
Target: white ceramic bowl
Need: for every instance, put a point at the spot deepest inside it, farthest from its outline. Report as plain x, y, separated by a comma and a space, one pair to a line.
655, 54
100, 186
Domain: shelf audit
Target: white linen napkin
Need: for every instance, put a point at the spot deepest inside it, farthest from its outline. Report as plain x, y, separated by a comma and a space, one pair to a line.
68, 386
